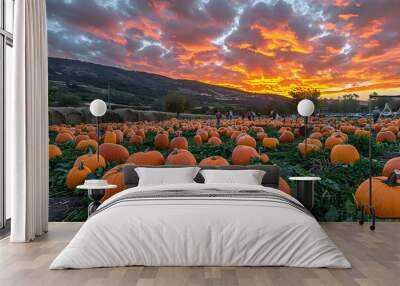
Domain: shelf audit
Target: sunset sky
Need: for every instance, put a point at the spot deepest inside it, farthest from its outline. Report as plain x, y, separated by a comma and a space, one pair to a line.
338, 46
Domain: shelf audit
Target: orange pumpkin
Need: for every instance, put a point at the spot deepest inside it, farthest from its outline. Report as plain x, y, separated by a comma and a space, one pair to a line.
90, 161
284, 186
314, 141
344, 154
362, 133
390, 166
141, 133
332, 141
392, 128
181, 157
136, 140
110, 137
214, 161
54, 151
261, 136
113, 152
246, 140
386, 136
310, 147
114, 176
214, 141
81, 137
264, 158
197, 140
85, 144
286, 137
243, 154
235, 134
76, 176
203, 134
93, 135
64, 137
161, 141
179, 143
385, 198
316, 135
149, 158
270, 143
120, 136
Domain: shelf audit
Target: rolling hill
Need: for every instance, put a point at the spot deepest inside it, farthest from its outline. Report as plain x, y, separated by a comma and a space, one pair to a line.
85, 81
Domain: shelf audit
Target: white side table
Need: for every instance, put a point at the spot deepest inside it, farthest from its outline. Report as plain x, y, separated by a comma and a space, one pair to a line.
305, 190
95, 193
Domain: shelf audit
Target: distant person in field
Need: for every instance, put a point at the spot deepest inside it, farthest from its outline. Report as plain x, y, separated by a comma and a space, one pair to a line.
253, 116
230, 115
272, 114
376, 114
218, 115
248, 115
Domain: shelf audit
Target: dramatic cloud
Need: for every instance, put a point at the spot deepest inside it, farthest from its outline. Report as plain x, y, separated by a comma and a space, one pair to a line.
264, 46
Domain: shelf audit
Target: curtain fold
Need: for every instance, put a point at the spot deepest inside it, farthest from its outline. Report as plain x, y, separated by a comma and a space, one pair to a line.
27, 124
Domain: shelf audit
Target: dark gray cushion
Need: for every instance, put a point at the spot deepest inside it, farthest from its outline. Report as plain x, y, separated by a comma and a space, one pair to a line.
270, 179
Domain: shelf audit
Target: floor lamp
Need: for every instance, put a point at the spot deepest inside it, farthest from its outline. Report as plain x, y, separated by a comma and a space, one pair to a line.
98, 108
369, 207
305, 108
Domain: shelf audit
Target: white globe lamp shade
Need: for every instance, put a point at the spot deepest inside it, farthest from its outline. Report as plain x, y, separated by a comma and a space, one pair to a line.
98, 107
305, 107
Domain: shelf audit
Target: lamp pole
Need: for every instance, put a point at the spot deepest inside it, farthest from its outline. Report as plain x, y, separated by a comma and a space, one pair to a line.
305, 108
98, 138
98, 108
305, 134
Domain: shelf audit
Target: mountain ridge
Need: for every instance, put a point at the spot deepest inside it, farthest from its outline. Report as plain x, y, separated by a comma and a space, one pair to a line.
144, 90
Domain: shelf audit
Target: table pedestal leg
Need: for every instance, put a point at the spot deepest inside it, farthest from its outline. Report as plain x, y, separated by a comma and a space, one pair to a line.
95, 196
305, 193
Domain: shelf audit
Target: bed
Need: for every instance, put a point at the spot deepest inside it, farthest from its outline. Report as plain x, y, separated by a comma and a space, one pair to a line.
199, 224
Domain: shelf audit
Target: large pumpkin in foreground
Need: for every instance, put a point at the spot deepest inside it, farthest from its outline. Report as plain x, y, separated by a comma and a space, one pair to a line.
390, 166
284, 186
181, 157
114, 176
54, 151
76, 176
344, 154
161, 141
214, 161
385, 198
286, 137
150, 158
270, 143
91, 161
243, 154
113, 152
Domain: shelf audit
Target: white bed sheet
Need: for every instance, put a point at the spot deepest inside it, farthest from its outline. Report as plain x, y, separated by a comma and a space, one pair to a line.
200, 232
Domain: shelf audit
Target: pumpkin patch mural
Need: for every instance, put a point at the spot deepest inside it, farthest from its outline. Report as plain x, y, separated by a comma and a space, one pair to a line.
340, 158
216, 83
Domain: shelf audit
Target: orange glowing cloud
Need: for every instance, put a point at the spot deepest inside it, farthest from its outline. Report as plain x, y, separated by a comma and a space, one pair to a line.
346, 17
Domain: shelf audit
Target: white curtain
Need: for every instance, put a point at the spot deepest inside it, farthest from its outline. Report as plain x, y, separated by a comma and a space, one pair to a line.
27, 124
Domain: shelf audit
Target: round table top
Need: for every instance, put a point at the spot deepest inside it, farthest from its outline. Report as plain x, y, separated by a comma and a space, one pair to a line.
89, 187
304, 178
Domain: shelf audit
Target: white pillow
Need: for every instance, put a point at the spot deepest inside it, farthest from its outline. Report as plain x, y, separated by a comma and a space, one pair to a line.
166, 176
248, 177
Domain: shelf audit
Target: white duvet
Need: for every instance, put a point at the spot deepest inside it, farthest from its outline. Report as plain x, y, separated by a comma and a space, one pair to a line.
193, 231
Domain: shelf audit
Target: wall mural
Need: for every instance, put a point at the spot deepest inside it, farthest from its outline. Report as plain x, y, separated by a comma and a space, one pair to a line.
217, 82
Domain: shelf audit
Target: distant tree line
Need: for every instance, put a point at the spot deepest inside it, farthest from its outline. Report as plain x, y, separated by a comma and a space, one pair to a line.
177, 102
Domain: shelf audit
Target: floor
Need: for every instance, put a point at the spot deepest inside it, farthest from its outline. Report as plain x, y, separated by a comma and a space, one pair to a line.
375, 257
